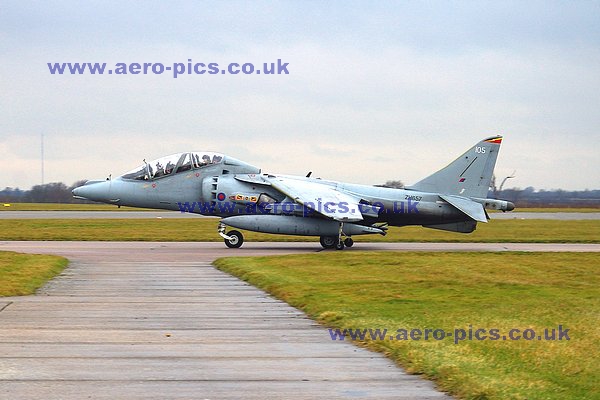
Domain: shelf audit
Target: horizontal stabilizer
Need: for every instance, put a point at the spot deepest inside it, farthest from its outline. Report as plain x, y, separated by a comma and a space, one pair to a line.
469, 207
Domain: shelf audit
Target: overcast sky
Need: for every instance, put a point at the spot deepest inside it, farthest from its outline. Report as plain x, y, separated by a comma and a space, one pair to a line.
375, 91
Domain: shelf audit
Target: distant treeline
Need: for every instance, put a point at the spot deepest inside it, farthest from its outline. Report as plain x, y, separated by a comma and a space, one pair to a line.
529, 197
58, 192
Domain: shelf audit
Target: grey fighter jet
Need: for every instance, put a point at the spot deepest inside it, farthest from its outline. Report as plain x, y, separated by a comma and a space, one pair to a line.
213, 184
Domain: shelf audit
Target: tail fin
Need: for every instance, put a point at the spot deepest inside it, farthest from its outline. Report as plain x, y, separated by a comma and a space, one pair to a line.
469, 175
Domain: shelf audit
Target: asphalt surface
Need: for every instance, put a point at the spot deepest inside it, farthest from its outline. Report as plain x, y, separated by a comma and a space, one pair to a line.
563, 216
157, 321
209, 251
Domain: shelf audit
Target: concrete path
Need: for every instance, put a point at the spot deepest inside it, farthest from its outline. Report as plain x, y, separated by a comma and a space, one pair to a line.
208, 251
156, 320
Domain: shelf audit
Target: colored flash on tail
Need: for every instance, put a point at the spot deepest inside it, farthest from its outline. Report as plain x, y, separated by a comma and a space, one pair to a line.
497, 140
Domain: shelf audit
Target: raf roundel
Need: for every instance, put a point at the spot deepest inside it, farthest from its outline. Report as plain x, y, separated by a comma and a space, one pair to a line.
221, 196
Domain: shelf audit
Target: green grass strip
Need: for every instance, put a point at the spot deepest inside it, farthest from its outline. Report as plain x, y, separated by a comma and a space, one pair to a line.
205, 230
455, 291
65, 207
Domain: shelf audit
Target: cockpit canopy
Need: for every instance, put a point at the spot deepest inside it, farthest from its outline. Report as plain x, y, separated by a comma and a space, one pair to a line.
173, 164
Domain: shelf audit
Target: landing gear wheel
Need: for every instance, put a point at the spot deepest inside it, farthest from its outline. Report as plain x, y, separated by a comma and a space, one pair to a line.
339, 245
328, 242
235, 241
349, 242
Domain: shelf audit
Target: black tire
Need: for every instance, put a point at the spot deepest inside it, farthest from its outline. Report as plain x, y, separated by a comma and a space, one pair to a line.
328, 242
237, 239
339, 245
349, 242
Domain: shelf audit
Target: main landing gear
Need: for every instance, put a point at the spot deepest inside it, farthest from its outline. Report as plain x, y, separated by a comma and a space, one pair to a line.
336, 242
333, 242
233, 239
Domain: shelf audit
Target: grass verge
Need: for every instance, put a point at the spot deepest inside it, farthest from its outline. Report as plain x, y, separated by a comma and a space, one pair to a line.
23, 274
455, 291
205, 229
65, 207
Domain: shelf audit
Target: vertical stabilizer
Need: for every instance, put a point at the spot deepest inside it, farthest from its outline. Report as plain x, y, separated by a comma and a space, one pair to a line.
469, 175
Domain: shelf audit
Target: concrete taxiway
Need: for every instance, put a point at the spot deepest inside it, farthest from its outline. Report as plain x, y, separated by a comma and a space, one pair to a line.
156, 320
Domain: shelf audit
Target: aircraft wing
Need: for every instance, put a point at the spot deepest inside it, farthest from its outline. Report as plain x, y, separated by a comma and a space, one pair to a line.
321, 198
469, 207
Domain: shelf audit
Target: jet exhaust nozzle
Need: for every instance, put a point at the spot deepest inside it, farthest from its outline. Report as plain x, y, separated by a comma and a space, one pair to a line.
509, 206
493, 204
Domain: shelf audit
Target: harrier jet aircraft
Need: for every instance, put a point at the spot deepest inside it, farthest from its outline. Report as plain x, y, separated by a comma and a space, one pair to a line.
214, 184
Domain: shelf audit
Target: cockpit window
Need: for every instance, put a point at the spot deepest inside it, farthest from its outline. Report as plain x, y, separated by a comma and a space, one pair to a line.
203, 159
184, 163
173, 164
140, 173
164, 166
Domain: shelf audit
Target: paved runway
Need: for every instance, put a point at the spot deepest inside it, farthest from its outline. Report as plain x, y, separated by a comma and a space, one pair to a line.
208, 251
563, 216
156, 320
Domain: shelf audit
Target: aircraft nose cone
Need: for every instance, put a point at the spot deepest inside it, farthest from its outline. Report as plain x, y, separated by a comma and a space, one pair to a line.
93, 190
510, 206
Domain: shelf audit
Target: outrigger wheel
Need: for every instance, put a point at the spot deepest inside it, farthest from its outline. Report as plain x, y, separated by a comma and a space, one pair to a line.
236, 239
